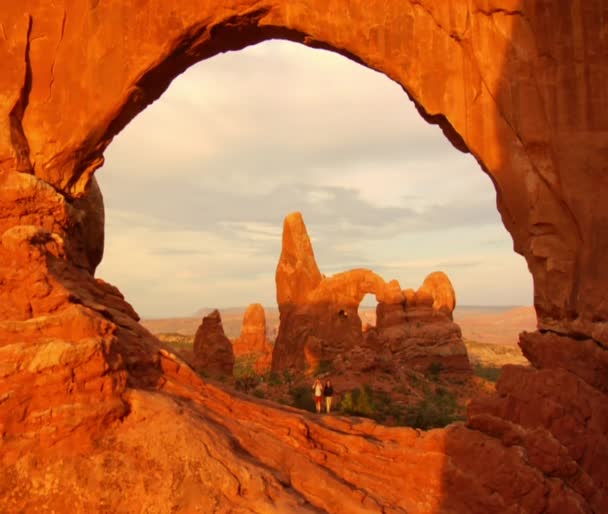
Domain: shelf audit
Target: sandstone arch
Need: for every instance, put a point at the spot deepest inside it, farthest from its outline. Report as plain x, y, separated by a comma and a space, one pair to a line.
521, 87
505, 123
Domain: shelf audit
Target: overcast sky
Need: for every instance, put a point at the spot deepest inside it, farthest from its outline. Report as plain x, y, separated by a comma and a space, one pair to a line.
197, 186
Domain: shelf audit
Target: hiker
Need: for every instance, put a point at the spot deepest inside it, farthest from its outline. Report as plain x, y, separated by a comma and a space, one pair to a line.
317, 389
328, 392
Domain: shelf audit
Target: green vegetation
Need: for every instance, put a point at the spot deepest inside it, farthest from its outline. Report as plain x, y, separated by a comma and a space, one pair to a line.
437, 409
247, 383
245, 376
243, 366
258, 393
434, 370
490, 373
359, 402
302, 398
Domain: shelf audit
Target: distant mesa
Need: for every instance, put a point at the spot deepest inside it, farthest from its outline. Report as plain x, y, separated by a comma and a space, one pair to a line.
253, 340
319, 319
213, 352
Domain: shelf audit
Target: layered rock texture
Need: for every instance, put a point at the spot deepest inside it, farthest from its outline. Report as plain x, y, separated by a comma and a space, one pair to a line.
418, 332
213, 353
253, 342
95, 417
320, 321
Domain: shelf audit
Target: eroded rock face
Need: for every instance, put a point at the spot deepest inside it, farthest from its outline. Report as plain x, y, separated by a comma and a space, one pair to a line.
320, 321
213, 352
253, 341
86, 396
419, 332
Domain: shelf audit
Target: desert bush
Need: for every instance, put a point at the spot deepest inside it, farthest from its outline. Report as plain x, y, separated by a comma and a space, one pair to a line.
359, 402
246, 383
243, 366
346, 404
258, 393
437, 409
302, 398
273, 378
490, 373
434, 370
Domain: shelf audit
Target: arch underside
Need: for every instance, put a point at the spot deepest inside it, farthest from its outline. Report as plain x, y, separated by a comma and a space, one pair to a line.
82, 377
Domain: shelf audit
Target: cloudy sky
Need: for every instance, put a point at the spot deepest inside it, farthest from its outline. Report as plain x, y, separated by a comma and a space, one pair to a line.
197, 186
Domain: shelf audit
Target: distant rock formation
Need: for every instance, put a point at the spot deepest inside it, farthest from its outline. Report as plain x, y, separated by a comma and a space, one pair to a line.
319, 319
253, 340
212, 349
419, 332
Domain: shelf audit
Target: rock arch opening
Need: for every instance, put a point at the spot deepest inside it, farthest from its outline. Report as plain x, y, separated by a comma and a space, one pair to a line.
367, 311
234, 145
243, 152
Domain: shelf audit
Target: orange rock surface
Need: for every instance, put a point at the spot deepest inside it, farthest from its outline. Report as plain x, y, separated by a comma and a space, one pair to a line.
95, 417
253, 341
213, 353
419, 332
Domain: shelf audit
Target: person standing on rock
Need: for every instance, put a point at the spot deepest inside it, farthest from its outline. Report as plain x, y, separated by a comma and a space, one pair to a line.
328, 392
317, 389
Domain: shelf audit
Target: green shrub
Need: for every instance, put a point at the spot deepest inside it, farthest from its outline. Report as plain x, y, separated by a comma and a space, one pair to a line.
434, 370
246, 383
302, 398
359, 402
437, 409
258, 393
490, 373
346, 405
243, 366
273, 379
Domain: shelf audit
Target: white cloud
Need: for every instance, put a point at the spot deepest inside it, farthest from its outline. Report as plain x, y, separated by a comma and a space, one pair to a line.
197, 185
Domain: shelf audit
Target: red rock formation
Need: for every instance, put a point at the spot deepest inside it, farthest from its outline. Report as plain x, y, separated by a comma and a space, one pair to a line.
252, 341
320, 322
86, 397
438, 286
420, 333
213, 352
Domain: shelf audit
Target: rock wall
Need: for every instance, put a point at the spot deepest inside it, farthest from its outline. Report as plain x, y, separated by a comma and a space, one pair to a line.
86, 395
213, 353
